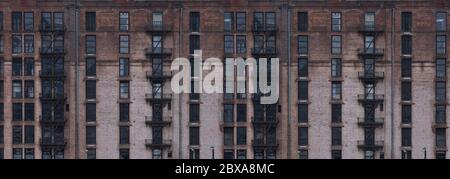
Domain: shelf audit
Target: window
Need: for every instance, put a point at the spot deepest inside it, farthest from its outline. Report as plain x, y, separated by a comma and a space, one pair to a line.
258, 21
124, 21
17, 89
302, 21
336, 154
441, 91
124, 153
16, 44
156, 154
1, 44
302, 42
406, 68
91, 90
369, 21
28, 21
441, 44
441, 21
241, 154
406, 45
58, 20
90, 21
271, 21
228, 136
241, 21
194, 136
46, 21
228, 44
228, 112
124, 112
303, 136
17, 67
16, 21
29, 89
241, 136
302, 90
228, 154
29, 111
440, 155
441, 68
124, 135
194, 110
157, 21
29, 134
406, 154
194, 21
91, 112
241, 112
2, 153
91, 153
302, 154
336, 67
17, 111
302, 113
17, 134
194, 43
336, 136
124, 90
91, 67
336, 113
303, 67
28, 67
124, 44
440, 137
1, 21
228, 21
17, 153
124, 67
90, 44
29, 153
369, 154
241, 44
336, 44
406, 114
406, 21
28, 44
194, 153
441, 114
406, 137
91, 135
406, 91
369, 44
336, 90
1, 135
336, 21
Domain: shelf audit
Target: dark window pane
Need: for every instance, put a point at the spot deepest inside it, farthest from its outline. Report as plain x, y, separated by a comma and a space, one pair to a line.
302, 113
90, 21
303, 67
91, 135
194, 136
91, 67
124, 112
336, 136
194, 21
302, 21
91, 112
406, 21
17, 134
91, 89
124, 135
194, 110
406, 137
303, 136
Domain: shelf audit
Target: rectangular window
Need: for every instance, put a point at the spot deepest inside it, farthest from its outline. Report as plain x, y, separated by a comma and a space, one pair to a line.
441, 21
91, 21
228, 18
406, 137
29, 89
241, 136
302, 113
336, 21
228, 44
124, 111
17, 89
58, 20
91, 91
1, 21
91, 153
369, 21
90, 44
440, 155
241, 44
303, 136
241, 21
336, 67
302, 18
194, 110
441, 71
228, 154
228, 112
336, 44
28, 21
28, 44
271, 21
124, 135
17, 153
441, 91
194, 136
29, 134
336, 90
124, 90
2, 139
336, 154
441, 137
29, 153
194, 154
406, 114
194, 21
16, 21
441, 41
406, 91
124, 153
17, 111
124, 21
91, 67
194, 43
336, 113
258, 21
228, 133
124, 66
91, 112
302, 43
16, 44
302, 90
441, 114
46, 21
241, 112
157, 20
336, 136
406, 45
406, 154
302, 154
17, 67
1, 44
406, 68
91, 135
28, 67
17, 134
124, 44
406, 21
303, 67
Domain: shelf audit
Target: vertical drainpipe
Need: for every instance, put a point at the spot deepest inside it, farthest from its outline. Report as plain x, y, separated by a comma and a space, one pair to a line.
392, 79
77, 74
288, 45
180, 100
